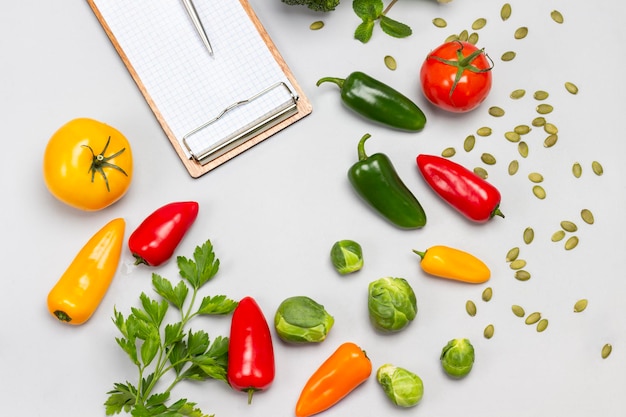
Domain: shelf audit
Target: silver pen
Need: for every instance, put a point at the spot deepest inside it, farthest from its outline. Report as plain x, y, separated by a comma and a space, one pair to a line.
193, 14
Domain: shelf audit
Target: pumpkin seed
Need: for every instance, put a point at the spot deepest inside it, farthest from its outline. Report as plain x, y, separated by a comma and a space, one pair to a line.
496, 111
512, 254
556, 16
469, 143
448, 152
522, 129
316, 25
580, 305
522, 275
541, 95
481, 172
512, 136
484, 131
440, 22
577, 169
488, 158
606, 350
517, 264
518, 310
571, 243
464, 35
390, 62
508, 56
539, 192
569, 226
558, 235
517, 94
587, 216
533, 318
522, 148
473, 38
521, 32
513, 167
550, 141
544, 108
529, 235
542, 325
488, 332
452, 38
571, 88
505, 11
539, 121
535, 177
470, 307
479, 23
550, 128
597, 168
487, 294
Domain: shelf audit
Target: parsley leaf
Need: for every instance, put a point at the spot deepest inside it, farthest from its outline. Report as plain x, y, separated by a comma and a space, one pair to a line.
172, 350
371, 11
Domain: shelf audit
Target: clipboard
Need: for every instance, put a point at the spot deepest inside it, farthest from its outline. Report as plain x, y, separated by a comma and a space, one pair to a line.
211, 107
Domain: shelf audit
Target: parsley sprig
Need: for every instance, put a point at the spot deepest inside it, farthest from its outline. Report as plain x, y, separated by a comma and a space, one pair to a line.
370, 12
171, 350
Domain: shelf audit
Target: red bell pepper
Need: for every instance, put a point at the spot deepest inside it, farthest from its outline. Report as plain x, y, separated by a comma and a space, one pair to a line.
471, 195
156, 238
250, 349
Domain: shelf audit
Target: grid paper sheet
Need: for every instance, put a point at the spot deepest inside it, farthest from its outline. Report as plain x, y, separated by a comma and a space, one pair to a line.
188, 86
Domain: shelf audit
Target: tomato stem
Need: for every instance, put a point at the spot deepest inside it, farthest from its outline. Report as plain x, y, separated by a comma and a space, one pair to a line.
463, 63
100, 161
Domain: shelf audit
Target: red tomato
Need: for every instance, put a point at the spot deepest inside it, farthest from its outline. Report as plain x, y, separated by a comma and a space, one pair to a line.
456, 76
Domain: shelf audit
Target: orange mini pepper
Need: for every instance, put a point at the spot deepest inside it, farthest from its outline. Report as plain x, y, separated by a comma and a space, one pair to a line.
79, 291
341, 373
451, 263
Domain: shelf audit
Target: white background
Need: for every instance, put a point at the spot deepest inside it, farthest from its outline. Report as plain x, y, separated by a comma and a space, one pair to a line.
273, 213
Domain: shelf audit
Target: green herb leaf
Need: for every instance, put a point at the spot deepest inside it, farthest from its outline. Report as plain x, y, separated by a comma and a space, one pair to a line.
197, 342
218, 304
364, 31
154, 311
176, 296
394, 28
368, 9
173, 333
150, 347
202, 268
121, 398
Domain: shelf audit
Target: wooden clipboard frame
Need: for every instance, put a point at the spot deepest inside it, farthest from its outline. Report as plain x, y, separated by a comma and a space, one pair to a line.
194, 168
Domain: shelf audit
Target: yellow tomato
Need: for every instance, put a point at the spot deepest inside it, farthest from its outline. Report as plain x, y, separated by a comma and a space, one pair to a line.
88, 164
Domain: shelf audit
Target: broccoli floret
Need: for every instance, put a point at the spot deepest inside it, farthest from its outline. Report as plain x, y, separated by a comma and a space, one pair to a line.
317, 5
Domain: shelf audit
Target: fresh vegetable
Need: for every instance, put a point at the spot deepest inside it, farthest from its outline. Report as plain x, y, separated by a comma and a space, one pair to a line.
317, 5
250, 350
469, 194
456, 76
88, 164
371, 11
301, 319
391, 303
344, 370
172, 349
379, 102
346, 256
402, 387
457, 357
158, 236
376, 180
81, 288
446, 262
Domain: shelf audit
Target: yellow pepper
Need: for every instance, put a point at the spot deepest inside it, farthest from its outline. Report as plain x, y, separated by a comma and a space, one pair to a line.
79, 291
451, 263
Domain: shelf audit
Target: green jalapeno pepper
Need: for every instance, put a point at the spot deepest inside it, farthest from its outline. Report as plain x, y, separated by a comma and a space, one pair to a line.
377, 182
378, 101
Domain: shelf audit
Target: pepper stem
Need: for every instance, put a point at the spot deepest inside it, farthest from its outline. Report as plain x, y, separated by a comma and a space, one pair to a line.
361, 147
420, 253
338, 81
497, 212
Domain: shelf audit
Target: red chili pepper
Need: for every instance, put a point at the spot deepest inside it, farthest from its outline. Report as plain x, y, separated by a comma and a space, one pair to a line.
250, 349
472, 196
156, 238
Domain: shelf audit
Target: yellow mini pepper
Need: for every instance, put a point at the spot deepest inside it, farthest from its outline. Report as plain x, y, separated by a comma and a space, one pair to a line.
451, 263
79, 291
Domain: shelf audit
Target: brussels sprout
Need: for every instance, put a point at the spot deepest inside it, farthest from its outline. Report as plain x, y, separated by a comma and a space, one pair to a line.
403, 387
391, 304
346, 256
301, 320
457, 357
